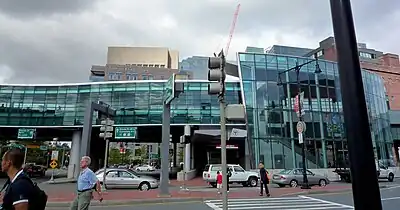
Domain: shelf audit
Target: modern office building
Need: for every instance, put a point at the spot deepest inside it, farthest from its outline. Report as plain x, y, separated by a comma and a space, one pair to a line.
269, 100
198, 66
57, 110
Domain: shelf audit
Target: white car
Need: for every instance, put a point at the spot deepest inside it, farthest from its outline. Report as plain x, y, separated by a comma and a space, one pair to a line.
385, 173
239, 175
145, 168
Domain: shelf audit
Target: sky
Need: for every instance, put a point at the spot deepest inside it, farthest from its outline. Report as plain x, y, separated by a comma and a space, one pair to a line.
47, 41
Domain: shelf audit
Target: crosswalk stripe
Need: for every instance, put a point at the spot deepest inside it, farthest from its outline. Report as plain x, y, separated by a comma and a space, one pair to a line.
283, 203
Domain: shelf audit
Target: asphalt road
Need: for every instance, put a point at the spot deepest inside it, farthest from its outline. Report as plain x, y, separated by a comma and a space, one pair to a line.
164, 206
390, 197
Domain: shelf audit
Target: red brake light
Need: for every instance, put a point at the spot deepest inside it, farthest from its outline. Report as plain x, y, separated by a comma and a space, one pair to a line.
209, 176
282, 177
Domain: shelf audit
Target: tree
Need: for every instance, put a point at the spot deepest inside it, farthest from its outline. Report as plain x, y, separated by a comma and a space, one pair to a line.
115, 157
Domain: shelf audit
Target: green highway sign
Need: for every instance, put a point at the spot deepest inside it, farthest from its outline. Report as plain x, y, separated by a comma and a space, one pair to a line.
43, 147
26, 133
170, 89
125, 132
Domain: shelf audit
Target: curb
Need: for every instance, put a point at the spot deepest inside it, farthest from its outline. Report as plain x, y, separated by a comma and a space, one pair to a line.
131, 202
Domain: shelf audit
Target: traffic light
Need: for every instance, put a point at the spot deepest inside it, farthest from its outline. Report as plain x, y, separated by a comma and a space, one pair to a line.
106, 129
216, 75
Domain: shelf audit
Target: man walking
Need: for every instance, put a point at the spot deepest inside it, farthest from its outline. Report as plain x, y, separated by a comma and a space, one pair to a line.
87, 182
263, 180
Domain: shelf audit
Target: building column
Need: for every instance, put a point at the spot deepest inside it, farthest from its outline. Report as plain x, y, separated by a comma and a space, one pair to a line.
321, 123
74, 162
187, 158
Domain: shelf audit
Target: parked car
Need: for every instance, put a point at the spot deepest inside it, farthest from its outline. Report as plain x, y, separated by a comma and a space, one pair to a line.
35, 170
382, 172
119, 178
239, 175
145, 168
294, 177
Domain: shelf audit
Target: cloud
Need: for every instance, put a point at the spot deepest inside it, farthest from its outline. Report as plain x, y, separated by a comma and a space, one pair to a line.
47, 41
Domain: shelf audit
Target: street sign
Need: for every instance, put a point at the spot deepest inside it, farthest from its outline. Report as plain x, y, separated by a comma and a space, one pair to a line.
125, 132
301, 138
301, 127
26, 133
43, 147
107, 122
53, 164
106, 128
54, 155
170, 89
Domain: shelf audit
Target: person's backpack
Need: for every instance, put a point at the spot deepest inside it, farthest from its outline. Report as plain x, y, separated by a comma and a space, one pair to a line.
39, 199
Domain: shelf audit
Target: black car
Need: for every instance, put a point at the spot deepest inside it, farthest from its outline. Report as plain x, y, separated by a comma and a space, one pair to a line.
35, 170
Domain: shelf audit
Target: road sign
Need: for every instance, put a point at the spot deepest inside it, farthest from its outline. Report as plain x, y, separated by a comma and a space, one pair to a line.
54, 155
170, 89
107, 135
43, 147
125, 132
301, 127
26, 133
301, 138
53, 164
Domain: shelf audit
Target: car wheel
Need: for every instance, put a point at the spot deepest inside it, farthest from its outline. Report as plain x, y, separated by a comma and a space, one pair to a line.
322, 182
391, 177
144, 186
293, 183
253, 182
281, 185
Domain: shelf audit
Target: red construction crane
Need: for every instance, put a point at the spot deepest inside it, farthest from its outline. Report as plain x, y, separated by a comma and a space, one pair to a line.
235, 16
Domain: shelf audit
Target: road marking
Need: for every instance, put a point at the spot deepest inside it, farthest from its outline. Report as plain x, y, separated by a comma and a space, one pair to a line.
129, 205
388, 199
328, 202
282, 203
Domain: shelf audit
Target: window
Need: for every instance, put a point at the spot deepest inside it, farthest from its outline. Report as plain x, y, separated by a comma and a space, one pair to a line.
151, 77
238, 169
131, 76
366, 55
145, 65
157, 66
162, 66
112, 174
124, 174
320, 53
114, 75
145, 77
216, 168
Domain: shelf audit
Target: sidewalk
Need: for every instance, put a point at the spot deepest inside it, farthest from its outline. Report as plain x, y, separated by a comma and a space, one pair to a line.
120, 197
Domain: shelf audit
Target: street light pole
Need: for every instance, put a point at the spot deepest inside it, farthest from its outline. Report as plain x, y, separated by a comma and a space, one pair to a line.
297, 69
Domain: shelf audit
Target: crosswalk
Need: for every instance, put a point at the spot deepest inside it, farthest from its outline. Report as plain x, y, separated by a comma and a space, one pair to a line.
283, 203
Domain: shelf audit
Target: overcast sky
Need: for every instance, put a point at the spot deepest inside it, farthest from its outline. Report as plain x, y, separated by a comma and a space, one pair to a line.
47, 41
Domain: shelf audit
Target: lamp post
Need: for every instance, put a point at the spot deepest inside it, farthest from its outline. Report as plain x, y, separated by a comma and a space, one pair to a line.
297, 69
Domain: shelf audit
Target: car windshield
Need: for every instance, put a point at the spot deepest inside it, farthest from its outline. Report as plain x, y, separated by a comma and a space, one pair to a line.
286, 171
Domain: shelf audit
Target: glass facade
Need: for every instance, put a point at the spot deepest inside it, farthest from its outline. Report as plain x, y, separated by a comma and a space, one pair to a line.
269, 100
136, 102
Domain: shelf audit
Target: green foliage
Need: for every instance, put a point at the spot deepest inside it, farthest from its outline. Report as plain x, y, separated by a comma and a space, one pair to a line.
115, 157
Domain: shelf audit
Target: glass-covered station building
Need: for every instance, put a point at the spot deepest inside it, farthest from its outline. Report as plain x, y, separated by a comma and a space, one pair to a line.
267, 95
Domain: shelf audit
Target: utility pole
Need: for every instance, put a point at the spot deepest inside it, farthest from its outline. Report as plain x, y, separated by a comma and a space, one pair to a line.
106, 130
361, 152
216, 76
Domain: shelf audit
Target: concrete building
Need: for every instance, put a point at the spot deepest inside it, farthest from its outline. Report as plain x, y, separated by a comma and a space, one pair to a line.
158, 57
138, 63
385, 64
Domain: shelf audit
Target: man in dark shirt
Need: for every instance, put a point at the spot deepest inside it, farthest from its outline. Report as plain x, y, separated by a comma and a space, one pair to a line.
19, 191
263, 180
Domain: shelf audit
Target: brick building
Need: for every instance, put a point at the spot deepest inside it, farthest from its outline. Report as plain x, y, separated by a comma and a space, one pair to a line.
385, 64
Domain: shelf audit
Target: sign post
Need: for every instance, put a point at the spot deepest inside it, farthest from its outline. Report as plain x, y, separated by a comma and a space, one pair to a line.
53, 165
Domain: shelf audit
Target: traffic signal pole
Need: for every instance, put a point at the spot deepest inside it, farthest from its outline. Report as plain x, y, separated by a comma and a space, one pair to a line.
366, 194
217, 74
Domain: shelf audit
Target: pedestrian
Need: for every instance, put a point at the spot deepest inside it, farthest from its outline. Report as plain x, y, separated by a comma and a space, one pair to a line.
20, 192
219, 182
264, 181
228, 175
87, 183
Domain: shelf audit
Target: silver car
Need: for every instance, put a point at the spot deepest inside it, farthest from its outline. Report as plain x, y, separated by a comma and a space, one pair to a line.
125, 178
294, 177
